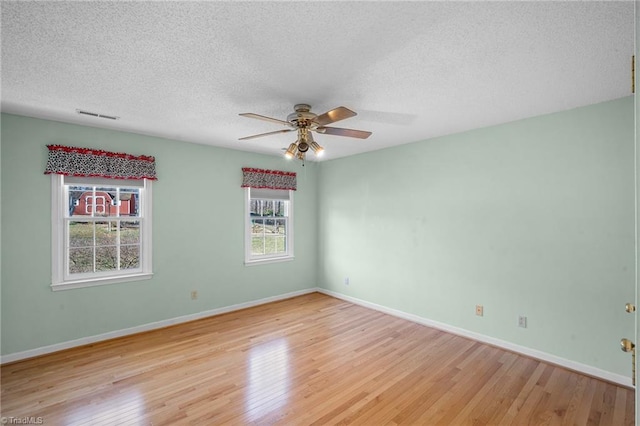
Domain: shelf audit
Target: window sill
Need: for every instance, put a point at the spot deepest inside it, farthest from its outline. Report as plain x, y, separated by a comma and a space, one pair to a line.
92, 282
254, 262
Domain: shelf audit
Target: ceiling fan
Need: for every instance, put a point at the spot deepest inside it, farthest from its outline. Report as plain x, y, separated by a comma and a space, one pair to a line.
304, 122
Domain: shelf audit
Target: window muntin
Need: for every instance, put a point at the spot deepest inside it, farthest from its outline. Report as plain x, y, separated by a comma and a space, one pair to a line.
269, 225
101, 231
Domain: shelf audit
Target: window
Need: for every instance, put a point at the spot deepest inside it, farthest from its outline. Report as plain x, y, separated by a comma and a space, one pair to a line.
101, 231
269, 225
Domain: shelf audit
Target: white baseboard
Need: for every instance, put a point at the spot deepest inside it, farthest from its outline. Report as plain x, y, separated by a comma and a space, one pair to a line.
147, 327
533, 353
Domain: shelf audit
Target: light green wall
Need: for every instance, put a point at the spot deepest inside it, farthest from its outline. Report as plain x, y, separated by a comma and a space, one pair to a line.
534, 217
197, 237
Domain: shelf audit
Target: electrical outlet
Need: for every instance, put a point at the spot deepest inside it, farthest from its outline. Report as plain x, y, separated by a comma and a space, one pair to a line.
346, 281
194, 295
479, 310
522, 321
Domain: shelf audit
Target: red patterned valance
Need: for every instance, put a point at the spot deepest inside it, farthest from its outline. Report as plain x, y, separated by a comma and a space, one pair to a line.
271, 179
71, 161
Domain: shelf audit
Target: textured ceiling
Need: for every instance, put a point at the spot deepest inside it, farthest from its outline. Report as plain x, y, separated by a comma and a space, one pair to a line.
412, 70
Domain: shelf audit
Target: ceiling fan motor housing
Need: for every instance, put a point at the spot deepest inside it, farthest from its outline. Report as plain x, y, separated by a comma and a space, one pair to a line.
303, 117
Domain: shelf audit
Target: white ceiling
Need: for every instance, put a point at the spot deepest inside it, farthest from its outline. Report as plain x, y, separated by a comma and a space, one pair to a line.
412, 70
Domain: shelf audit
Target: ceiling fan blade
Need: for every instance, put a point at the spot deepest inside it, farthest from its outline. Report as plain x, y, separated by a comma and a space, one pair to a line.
265, 134
262, 117
360, 134
334, 115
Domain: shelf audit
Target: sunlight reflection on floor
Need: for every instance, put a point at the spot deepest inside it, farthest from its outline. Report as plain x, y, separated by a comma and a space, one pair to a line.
124, 408
268, 378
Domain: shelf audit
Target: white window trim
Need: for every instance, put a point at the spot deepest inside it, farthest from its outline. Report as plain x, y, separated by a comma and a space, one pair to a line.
249, 259
58, 261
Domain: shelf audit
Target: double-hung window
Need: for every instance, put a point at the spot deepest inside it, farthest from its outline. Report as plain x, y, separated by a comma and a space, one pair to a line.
101, 231
268, 225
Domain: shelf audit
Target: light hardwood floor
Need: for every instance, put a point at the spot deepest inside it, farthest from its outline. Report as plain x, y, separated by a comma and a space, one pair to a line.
310, 360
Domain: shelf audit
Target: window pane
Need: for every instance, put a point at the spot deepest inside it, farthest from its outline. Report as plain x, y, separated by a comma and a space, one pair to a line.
80, 260
80, 234
253, 207
257, 245
257, 226
106, 258
106, 233
75, 194
268, 208
269, 245
128, 202
129, 232
281, 226
130, 257
279, 208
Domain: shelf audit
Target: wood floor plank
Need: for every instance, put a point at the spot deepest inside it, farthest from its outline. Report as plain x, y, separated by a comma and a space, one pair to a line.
310, 360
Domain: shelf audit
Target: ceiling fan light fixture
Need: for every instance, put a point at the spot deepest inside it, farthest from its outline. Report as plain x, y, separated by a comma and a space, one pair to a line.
317, 149
291, 151
303, 146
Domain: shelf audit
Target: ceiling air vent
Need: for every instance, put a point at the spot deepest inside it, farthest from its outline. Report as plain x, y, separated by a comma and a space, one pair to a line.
96, 115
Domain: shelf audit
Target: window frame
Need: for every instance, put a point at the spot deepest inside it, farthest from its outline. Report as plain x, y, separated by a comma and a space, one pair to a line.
60, 279
251, 259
